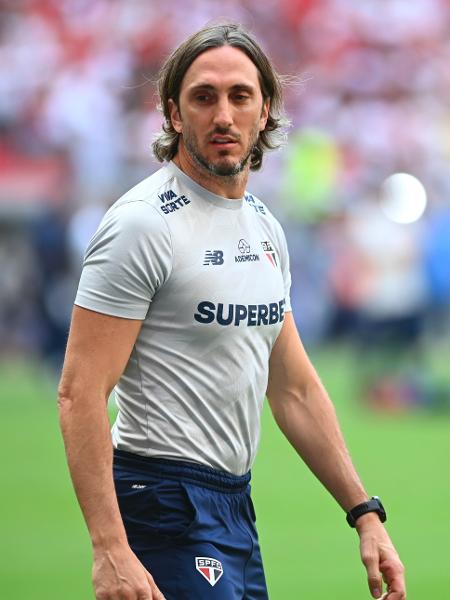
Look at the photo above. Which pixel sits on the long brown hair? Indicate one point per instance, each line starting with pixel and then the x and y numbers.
pixel 173 70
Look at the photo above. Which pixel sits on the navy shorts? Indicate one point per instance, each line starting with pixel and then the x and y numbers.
pixel 192 527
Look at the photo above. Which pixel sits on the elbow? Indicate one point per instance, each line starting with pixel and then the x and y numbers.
pixel 64 402
pixel 297 392
pixel 66 399
pixel 283 401
pixel 65 406
pixel 298 398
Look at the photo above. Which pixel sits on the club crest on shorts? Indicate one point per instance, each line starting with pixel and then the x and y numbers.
pixel 210 568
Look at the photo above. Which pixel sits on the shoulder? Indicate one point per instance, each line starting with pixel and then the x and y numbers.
pixel 137 210
pixel 150 189
pixel 264 213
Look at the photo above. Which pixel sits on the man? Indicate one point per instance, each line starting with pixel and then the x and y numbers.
pixel 183 305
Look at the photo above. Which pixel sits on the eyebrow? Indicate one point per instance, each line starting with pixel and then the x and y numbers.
pixel 237 87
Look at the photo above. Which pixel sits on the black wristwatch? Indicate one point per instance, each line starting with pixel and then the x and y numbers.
pixel 372 505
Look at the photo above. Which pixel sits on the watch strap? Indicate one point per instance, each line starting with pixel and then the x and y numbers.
pixel 371 505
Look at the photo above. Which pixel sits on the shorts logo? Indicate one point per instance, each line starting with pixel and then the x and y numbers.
pixel 213 257
pixel 270 253
pixel 210 568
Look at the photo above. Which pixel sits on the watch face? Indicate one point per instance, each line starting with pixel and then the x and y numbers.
pixel 380 505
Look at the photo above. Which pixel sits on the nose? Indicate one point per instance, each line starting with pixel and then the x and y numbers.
pixel 223 117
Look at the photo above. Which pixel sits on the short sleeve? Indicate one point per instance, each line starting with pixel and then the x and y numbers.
pixel 126 262
pixel 285 268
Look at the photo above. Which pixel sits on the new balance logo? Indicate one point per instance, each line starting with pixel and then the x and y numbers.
pixel 213 257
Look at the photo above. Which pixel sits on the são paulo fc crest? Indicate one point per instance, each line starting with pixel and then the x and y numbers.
pixel 270 253
pixel 210 568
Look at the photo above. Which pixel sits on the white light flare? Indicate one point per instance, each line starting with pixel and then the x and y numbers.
pixel 403 198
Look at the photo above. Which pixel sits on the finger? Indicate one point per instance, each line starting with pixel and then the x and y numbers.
pixel 396 591
pixel 393 575
pixel 370 561
pixel 157 594
pixel 147 595
pixel 391 570
pixel 146 592
pixel 396 596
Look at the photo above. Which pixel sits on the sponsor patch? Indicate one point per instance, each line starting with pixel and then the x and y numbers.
pixel 210 568
pixel 257 206
pixel 245 255
pixel 243 247
pixel 171 202
pixel 237 314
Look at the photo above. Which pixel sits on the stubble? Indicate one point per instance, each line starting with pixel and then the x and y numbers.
pixel 224 169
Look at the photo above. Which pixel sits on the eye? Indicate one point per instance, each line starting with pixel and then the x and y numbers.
pixel 202 98
pixel 241 97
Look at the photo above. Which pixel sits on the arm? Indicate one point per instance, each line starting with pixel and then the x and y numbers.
pixel 307 418
pixel 97 352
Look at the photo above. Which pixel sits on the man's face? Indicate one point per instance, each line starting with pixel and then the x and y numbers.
pixel 221 111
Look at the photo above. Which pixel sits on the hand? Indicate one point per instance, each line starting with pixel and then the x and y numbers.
pixel 380 559
pixel 117 574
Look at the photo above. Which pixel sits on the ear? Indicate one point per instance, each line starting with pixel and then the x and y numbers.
pixel 264 114
pixel 175 116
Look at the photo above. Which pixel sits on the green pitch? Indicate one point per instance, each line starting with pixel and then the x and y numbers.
pixel 309 551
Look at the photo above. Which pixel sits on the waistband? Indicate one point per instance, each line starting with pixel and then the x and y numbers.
pixel 182 471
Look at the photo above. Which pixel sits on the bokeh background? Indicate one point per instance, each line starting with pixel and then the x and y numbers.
pixel 369 97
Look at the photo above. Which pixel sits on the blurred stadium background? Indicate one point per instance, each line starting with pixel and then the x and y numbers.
pixel 369 98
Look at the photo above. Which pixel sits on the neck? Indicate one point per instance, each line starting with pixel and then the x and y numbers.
pixel 232 187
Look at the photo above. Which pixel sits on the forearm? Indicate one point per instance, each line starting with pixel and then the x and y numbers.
pixel 307 417
pixel 86 432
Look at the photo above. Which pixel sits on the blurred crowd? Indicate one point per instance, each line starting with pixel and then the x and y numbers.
pixel 368 92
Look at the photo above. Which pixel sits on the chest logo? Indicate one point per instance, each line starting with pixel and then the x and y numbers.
pixel 213 257
pixel 243 247
pixel 245 254
pixel 210 568
pixel 270 253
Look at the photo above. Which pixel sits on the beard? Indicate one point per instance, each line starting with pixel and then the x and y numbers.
pixel 226 168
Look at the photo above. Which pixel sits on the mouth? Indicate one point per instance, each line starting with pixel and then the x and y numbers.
pixel 223 141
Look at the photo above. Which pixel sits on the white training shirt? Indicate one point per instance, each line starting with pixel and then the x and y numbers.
pixel 209 277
